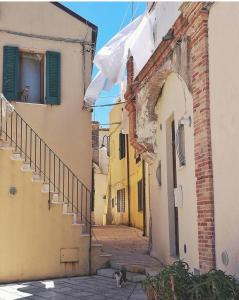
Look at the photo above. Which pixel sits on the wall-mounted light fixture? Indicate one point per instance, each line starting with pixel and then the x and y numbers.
pixel 186 120
pixel 12 191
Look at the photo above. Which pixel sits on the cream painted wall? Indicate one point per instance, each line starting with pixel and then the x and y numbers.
pixel 100 208
pixel 224 102
pixel 171 105
pixel 32 236
pixel 100 180
pixel 66 127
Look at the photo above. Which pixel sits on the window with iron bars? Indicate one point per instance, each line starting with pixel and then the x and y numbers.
pixel 180 145
pixel 121 146
pixel 140 195
pixel 121 200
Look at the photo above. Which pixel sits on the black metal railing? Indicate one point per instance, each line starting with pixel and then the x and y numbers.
pixel 57 177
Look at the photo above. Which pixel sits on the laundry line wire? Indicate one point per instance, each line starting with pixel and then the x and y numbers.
pixel 109 104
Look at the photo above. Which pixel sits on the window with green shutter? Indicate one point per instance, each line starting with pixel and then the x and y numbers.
pixel 11 72
pixel 140 195
pixel 121 146
pixel 53 78
pixel 31 77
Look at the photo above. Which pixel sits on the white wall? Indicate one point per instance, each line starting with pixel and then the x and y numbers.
pixel 224 101
pixel 166 14
pixel 171 105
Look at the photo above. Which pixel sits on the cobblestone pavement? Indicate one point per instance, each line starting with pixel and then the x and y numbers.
pixel 81 288
pixel 127 246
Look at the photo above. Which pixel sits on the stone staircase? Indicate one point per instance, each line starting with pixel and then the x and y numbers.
pixel 129 252
pixel 45 223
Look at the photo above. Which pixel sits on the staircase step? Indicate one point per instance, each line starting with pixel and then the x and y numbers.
pixel 26 168
pixel 78 224
pixel 133 277
pixel 17 156
pixel 106 255
pixel 128 267
pixel 37 178
pixel 55 199
pixel 108 272
pixel 97 245
pixel 85 235
pixel 5 145
pixel 45 188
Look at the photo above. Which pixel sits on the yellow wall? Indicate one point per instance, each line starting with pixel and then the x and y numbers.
pixel 100 181
pixel 117 178
pixel 65 127
pixel 32 236
pixel 136 217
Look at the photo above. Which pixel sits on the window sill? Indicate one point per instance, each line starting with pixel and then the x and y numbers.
pixel 180 168
pixel 29 103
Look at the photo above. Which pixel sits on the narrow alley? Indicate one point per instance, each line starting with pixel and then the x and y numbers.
pixel 129 248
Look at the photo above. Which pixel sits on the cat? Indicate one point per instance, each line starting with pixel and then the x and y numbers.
pixel 120 277
pixel 25 93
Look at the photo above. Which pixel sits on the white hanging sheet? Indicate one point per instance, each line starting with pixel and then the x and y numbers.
pixel 138 38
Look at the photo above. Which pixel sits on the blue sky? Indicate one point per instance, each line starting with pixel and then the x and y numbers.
pixel 110 17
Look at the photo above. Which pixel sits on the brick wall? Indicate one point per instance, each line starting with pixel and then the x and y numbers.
pixel 202 146
pixel 95 141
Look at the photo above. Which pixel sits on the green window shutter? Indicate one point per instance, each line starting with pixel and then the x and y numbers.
pixel 53 77
pixel 121 145
pixel 11 60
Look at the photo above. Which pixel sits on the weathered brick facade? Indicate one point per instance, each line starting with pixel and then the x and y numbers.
pixel 95 141
pixel 192 28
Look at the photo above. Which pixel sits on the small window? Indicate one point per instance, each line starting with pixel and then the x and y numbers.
pixel 121 200
pixel 31 77
pixel 113 202
pixel 121 146
pixel 180 145
pixel 140 195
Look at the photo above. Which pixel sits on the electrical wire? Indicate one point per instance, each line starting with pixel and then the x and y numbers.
pixel 109 96
pixel 108 124
pixel 104 105
pixel 124 17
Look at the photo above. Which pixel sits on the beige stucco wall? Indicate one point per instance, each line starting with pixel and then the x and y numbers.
pixel 66 127
pixel 100 208
pixel 224 95
pixel 32 236
pixel 100 180
pixel 171 105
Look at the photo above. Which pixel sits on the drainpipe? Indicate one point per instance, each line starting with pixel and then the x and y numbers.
pixel 144 199
pixel 128 179
pixel 91 207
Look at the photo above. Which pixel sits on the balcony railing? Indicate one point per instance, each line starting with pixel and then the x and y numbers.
pixel 57 177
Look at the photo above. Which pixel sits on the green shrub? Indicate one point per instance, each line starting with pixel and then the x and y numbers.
pixel 214 285
pixel 176 282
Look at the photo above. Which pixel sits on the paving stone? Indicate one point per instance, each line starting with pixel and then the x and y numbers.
pixel 87 288
pixel 129 248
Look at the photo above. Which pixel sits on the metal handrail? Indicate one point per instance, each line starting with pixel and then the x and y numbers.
pixel 45 163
